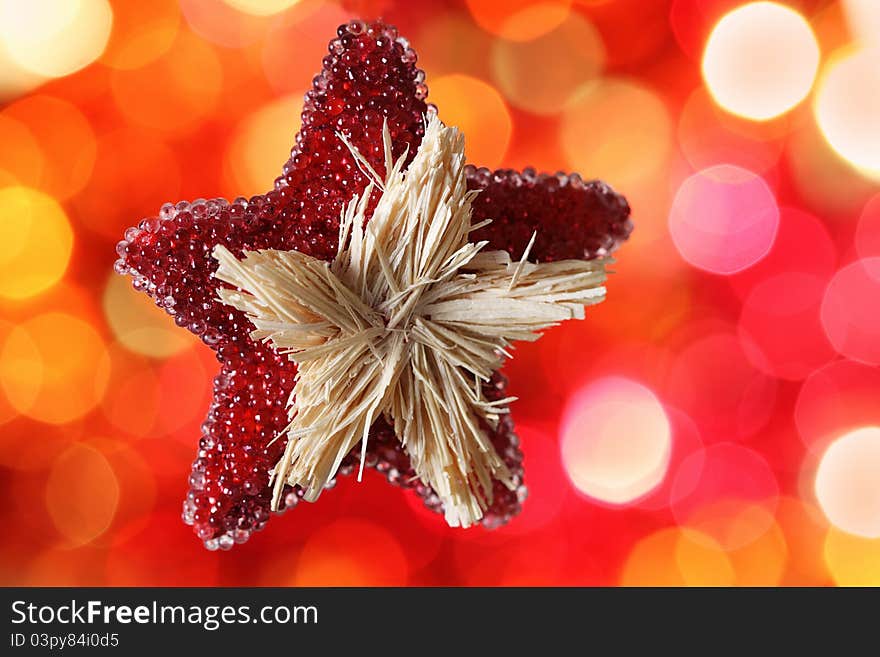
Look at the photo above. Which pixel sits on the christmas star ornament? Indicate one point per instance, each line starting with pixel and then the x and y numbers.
pixel 362 308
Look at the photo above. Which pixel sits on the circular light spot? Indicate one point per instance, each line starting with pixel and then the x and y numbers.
pixel 802 246
pixel 781 316
pixel 847 485
pixel 173 93
pixel 471 54
pixel 260 145
pixel 677 557
pixel 868 231
pixel 850 312
pixel 82 493
pixel 64 136
pixel 478 110
pixel 139 324
pixel 714 381
pixel 760 60
pixel 539 75
pixel 54 368
pixel 519 20
pixel 852 560
pixel 55 37
pixel 723 219
pixel 847 105
pixel 37 241
pixel 261 7
pixel 616 440
pixel 142 32
pixel 351 552
pixel 724 480
pixel 616 129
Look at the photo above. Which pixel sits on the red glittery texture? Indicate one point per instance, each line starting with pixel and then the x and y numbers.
pixel 368 76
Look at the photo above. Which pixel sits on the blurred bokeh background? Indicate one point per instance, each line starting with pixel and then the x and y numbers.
pixel 714 422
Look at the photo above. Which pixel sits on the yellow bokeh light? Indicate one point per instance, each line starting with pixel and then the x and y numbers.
pixel 54 38
pixel 54 367
pixel 139 324
pixel 82 494
pixel 617 130
pixel 760 60
pixel 847 485
pixel 677 557
pixel 37 240
pixel 479 111
pixel 847 105
pixel 261 7
pixel 261 145
pixel 852 560
pixel 532 74
pixel 616 441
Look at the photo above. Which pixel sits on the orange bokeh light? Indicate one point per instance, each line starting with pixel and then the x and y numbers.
pixel 260 146
pixel 478 110
pixel 142 32
pixel 65 138
pixel 174 93
pixel 677 557
pixel 534 76
pixel 81 494
pixel 519 20
pixel 617 130
pixel 54 367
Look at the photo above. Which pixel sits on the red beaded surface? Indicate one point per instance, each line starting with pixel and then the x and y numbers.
pixel 369 76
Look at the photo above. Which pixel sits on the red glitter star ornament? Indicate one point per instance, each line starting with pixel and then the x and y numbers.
pixel 369 78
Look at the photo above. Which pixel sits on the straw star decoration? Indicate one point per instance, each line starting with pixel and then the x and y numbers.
pixel 308 225
pixel 408 321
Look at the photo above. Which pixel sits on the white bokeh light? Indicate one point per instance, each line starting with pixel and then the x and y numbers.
pixel 53 38
pixel 760 60
pixel 616 440
pixel 847 106
pixel 847 482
